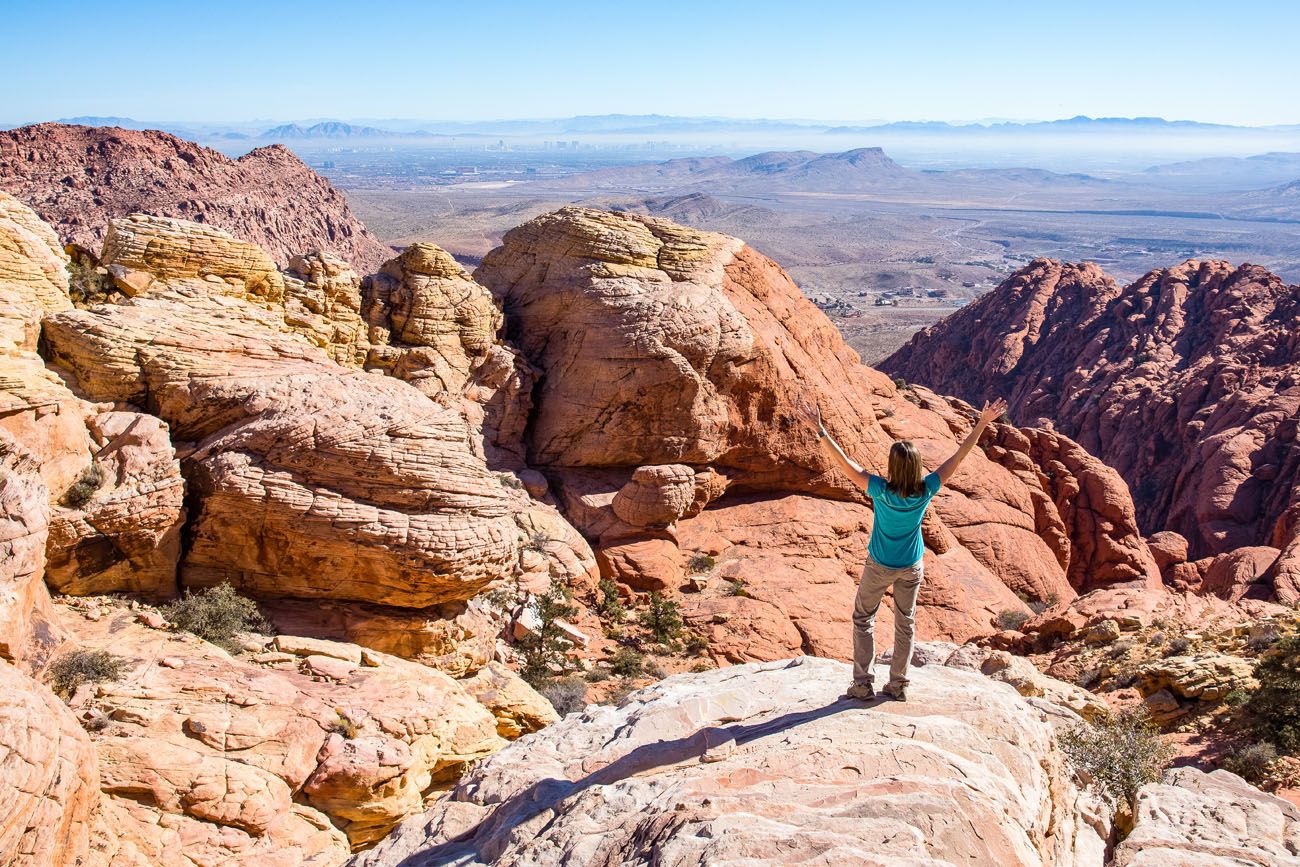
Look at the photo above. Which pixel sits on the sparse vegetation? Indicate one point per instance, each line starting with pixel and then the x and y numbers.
pixel 539 542
pixel 701 667
pixel 626 662
pixel 510 480
pixel 1119 754
pixel 1089 677
pixel 655 670
pixel 343 725
pixel 81 491
pixel 662 618
pixel 566 694
pixel 1252 762
pixel 695 644
pixel 736 587
pixel 1177 646
pixel 1276 704
pixel 71 670
pixel 1012 619
pixel 1260 643
pixel 544 652
pixel 609 606
pixel 217 615
pixel 701 563
pixel 597 674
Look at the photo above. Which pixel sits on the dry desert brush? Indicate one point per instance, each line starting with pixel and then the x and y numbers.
pixel 217 614
pixel 1118 753
pixel 71 670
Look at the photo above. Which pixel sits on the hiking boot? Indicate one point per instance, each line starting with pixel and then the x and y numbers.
pixel 896 691
pixel 861 691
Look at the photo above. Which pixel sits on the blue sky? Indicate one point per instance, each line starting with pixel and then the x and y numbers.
pixel 1231 62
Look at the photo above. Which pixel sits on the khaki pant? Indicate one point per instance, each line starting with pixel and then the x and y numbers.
pixel 876 579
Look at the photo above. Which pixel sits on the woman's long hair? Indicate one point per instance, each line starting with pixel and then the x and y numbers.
pixel 905 469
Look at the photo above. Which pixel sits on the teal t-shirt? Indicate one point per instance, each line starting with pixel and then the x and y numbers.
pixel 896 528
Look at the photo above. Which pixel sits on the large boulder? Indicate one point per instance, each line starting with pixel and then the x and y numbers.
pixel 27 627
pixel 765 764
pixel 49 777
pixel 1210 820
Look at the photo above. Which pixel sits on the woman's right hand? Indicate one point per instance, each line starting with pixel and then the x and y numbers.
pixel 993 411
pixel 809 411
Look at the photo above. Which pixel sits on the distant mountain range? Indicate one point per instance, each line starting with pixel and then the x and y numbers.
pixel 650 124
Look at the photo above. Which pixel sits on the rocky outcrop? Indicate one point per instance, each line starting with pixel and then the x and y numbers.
pixel 80 178
pixel 1215 820
pixel 49 777
pixel 1183 381
pixel 246 759
pixel 123 532
pixel 766 764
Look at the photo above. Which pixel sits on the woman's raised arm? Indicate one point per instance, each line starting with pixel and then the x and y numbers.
pixel 990 412
pixel 855 472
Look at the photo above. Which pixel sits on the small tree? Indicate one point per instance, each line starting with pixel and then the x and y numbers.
pixel 1120 753
pixel 1276 704
pixel 544 651
pixel 662 618
pixel 610 606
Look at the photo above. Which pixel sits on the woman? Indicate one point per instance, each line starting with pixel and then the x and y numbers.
pixel 895 550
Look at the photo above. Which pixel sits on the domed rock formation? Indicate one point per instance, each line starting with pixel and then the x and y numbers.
pixel 80 178
pixel 768 764
pixel 662 345
pixel 1184 381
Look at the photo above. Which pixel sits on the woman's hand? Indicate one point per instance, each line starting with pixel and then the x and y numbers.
pixel 809 411
pixel 992 411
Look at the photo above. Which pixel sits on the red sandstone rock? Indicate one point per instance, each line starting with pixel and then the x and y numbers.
pixel 1185 382
pixel 78 178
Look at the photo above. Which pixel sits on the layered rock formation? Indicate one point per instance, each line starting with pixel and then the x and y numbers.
pixel 1184 381
pixel 290 756
pixel 767 764
pixel 80 178
pixel 363 488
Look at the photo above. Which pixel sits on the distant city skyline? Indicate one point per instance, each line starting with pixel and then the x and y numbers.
pixel 240 61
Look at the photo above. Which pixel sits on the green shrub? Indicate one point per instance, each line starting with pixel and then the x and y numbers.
pixel 79 492
pixel 545 652
pixel 1252 762
pixel 701 667
pixel 217 614
pixel 1012 619
pixel 73 669
pixel 701 563
pixel 1237 697
pixel 1118 753
pixel 662 619
pixel 1276 704
pixel 566 694
pixel 610 606
pixel 626 662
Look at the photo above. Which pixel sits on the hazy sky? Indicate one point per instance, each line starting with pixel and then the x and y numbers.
pixel 1232 62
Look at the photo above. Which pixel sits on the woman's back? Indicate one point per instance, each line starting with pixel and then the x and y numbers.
pixel 896 526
